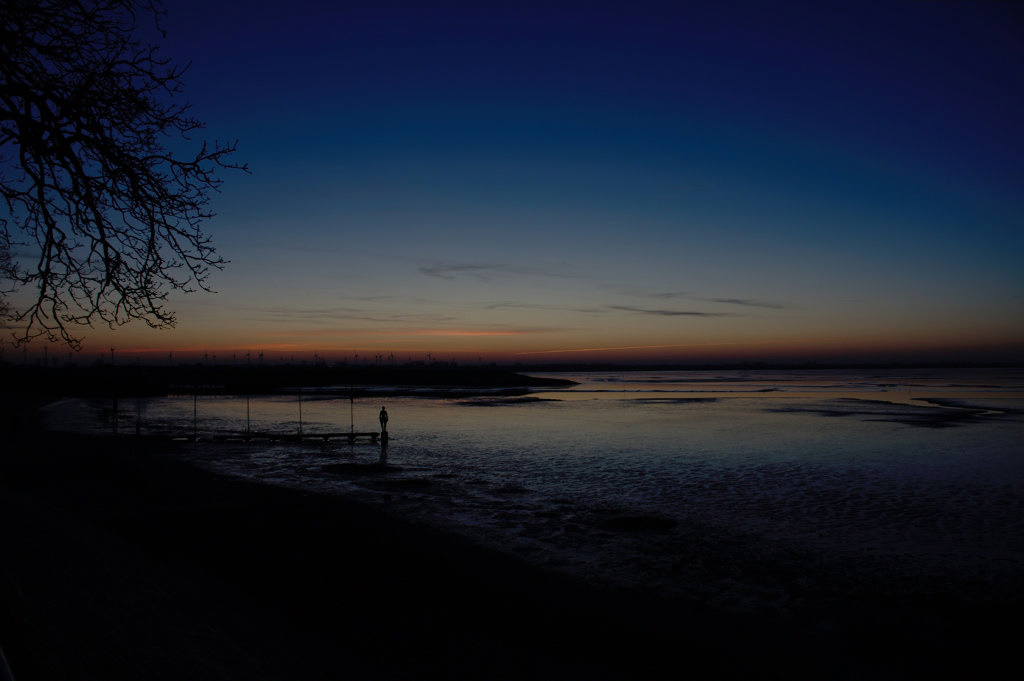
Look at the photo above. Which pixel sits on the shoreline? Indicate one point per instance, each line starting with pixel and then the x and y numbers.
pixel 124 562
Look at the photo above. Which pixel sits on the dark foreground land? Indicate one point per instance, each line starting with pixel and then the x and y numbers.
pixel 138 380
pixel 118 562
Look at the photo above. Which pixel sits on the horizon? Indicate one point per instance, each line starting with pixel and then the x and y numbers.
pixel 572 183
pixel 238 360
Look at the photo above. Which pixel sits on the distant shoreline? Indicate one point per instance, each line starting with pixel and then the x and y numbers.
pixel 766 366
pixel 105 380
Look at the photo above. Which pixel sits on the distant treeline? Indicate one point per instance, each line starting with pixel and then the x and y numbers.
pixel 150 380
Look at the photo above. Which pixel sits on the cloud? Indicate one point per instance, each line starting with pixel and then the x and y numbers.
pixel 667 313
pixel 481 272
pixel 742 302
pixel 619 348
pixel 491 331
pixel 666 295
pixel 292 315
pixel 746 302
pixel 393 335
pixel 486 272
pixel 509 305
pixel 605 309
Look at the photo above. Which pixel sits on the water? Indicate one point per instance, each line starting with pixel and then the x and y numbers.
pixel 745 490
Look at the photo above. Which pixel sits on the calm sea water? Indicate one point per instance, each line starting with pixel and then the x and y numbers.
pixel 728 487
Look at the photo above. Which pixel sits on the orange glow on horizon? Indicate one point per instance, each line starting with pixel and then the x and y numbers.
pixel 540 345
pixel 784 351
pixel 622 348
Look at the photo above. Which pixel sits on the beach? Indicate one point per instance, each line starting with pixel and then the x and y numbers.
pixel 122 563
pixel 125 564
pixel 120 560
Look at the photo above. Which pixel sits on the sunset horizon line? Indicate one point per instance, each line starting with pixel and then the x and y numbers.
pixel 701 354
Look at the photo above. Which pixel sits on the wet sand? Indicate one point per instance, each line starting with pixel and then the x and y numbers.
pixel 120 562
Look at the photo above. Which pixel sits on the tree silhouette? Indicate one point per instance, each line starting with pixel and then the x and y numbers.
pixel 103 209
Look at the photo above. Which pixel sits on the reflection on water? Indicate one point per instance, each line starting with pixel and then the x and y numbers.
pixel 680 481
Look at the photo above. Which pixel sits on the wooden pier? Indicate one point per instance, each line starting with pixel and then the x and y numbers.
pixel 351 437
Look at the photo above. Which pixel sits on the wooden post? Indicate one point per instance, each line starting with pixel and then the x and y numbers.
pixel 383 461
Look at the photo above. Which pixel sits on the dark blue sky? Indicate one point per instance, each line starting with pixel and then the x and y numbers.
pixel 751 179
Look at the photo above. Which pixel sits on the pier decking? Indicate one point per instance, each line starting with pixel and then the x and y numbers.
pixel 351 437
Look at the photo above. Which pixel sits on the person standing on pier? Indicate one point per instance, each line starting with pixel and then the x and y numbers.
pixel 383 420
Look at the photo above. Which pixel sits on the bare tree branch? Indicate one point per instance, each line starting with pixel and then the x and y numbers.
pixel 90 186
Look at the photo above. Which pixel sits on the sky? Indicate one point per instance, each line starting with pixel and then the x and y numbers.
pixel 550 182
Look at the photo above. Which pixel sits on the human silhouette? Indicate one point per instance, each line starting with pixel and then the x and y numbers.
pixel 383 421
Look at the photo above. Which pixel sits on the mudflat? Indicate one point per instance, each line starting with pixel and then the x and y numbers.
pixel 119 561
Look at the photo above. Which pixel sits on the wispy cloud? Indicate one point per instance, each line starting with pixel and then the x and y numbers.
pixel 486 271
pixel 481 272
pixel 305 314
pixel 618 348
pixel 476 332
pixel 746 302
pixel 443 332
pixel 605 309
pixel 742 302
pixel 310 315
pixel 510 305
pixel 667 313
pixel 666 295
